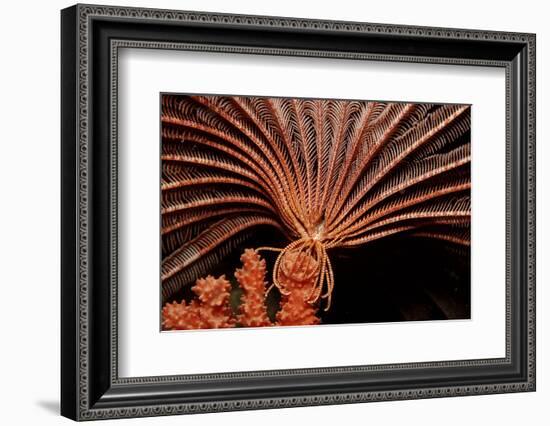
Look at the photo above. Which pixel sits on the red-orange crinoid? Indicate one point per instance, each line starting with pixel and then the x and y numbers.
pixel 325 173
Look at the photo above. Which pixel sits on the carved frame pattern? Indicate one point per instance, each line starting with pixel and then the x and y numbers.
pixel 82 407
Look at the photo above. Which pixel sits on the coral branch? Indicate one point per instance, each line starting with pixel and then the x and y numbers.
pixel 214 295
pixel 212 310
pixel 180 316
pixel 298 277
pixel 251 278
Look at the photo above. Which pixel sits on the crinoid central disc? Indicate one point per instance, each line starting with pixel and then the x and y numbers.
pixel 299 266
pixel 305 261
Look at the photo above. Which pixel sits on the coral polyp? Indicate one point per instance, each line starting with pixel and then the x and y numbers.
pixel 324 174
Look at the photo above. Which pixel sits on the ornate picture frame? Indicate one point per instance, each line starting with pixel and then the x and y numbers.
pixel 91 38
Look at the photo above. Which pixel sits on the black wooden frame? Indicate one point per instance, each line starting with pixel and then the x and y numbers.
pixel 90 386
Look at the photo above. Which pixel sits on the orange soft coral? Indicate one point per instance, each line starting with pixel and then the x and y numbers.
pixel 297 277
pixel 213 294
pixel 251 278
pixel 212 310
pixel 181 316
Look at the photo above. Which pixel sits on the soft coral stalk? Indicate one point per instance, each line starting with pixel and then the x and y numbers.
pixel 297 278
pixel 251 277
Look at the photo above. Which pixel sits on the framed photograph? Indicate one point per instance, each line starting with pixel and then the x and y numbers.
pixel 264 212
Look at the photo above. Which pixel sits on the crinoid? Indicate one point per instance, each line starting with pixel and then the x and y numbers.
pixel 327 174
